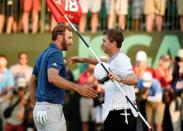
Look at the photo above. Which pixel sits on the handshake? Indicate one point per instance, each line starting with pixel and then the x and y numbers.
pixel 88 91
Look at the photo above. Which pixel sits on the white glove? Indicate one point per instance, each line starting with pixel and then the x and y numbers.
pixel 42 117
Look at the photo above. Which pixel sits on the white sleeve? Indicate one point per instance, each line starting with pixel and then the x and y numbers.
pixel 156 98
pixel 124 66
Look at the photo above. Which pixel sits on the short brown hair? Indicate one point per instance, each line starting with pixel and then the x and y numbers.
pixel 21 53
pixel 114 35
pixel 59 30
pixel 3 56
pixel 165 57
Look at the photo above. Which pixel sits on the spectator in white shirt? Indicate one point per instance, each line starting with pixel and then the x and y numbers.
pixel 21 69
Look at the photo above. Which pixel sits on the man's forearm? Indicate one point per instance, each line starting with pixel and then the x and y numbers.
pixel 130 79
pixel 65 84
pixel 32 96
pixel 32 90
pixel 89 60
pixel 60 82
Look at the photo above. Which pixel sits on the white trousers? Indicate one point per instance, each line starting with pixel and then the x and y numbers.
pixel 56 120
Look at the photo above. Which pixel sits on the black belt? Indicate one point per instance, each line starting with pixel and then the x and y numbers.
pixel 121 111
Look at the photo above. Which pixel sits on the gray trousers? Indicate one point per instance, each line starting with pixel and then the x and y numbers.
pixel 56 120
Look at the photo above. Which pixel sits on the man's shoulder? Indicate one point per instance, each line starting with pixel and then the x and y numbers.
pixel 123 55
pixel 54 52
pixel 50 52
pixel 29 67
pixel 13 67
pixel 8 73
pixel 156 83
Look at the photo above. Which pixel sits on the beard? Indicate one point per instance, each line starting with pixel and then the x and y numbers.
pixel 64 45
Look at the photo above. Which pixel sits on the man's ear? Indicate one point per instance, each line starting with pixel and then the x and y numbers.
pixel 60 37
pixel 115 43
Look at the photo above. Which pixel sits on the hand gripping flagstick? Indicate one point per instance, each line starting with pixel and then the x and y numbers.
pixel 92 51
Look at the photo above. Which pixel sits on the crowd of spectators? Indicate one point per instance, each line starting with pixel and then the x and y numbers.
pixel 14 14
pixel 135 15
pixel 15 109
pixel 159 95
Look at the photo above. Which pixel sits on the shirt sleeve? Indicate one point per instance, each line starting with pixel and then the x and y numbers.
pixel 157 86
pixel 158 94
pixel 10 80
pixel 156 98
pixel 35 68
pixel 140 85
pixel 124 66
pixel 35 71
pixel 55 61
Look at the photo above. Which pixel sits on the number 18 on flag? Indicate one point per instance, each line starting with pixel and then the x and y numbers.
pixel 70 8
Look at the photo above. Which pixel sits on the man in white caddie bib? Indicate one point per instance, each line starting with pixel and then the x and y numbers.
pixel 117 112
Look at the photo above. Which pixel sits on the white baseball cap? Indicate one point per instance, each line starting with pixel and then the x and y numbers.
pixel 100 72
pixel 147 79
pixel 141 56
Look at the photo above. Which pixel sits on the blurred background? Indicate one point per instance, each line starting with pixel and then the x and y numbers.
pixel 153 31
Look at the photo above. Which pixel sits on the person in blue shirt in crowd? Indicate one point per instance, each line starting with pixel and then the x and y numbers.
pixel 6 77
pixel 48 83
pixel 152 94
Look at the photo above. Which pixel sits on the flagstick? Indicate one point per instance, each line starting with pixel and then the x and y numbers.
pixel 115 82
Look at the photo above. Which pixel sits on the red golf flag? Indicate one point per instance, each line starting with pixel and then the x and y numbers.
pixel 70 8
